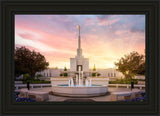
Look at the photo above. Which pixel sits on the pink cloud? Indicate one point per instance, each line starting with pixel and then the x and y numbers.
pixel 26 35
pixel 59 43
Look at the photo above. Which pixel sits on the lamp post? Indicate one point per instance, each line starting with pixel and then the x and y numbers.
pixel 28 85
pixel 132 83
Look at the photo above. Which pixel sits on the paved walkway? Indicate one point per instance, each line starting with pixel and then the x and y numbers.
pixel 99 98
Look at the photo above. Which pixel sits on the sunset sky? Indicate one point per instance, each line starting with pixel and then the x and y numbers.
pixel 104 38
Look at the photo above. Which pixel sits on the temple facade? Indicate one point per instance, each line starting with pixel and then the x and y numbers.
pixel 79 61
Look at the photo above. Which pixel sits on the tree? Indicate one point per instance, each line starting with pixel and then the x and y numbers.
pixel 65 69
pixel 94 68
pixel 141 69
pixel 131 64
pixel 27 61
pixel 65 74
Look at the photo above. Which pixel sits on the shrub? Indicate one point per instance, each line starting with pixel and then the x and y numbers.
pixel 65 74
pixel 35 81
pixel 26 76
pixel 61 74
pixel 124 81
pixel 93 74
pixel 98 74
pixel 39 75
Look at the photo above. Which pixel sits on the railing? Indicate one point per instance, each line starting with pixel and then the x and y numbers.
pixel 126 85
pixel 18 82
pixel 17 86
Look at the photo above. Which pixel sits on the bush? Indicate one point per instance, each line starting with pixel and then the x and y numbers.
pixel 98 74
pixel 124 81
pixel 39 75
pixel 93 74
pixel 65 74
pixel 26 76
pixel 35 81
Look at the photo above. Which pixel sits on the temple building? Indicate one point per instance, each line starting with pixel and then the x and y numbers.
pixel 79 61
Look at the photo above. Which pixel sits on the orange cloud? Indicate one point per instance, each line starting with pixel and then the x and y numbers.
pixel 57 40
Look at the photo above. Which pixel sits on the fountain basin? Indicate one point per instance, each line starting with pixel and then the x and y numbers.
pixel 80 91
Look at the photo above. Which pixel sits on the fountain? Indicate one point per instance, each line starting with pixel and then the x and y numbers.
pixel 86 83
pixel 70 82
pixel 78 89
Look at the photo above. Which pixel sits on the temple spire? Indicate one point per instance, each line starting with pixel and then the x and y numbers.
pixel 79 50
pixel 79 39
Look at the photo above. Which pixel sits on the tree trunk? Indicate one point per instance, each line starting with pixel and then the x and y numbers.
pixel 32 74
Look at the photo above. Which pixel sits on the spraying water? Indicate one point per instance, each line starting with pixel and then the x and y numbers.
pixel 86 83
pixel 79 80
pixel 72 83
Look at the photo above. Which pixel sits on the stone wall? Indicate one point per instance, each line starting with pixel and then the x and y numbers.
pixel 140 77
pixel 110 72
pixel 59 80
pixel 99 80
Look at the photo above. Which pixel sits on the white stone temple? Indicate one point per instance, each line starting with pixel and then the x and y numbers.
pixel 83 63
pixel 79 60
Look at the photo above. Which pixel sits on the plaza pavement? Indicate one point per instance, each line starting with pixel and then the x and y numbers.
pixel 99 98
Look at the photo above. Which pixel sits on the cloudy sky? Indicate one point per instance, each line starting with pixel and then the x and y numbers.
pixel 104 38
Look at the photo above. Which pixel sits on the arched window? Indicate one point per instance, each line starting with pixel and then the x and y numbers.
pixel 111 75
pixel 108 74
pixel 114 74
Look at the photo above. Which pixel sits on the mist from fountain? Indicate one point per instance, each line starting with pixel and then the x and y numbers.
pixel 69 82
pixel 90 83
pixel 79 80
pixel 86 82
pixel 72 83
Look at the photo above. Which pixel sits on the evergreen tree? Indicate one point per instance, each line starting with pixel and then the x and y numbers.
pixel 94 68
